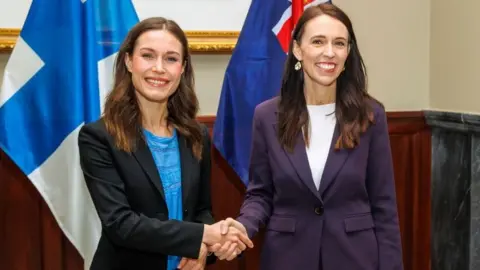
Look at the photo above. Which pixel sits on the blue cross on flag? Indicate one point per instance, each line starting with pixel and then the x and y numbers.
pixel 55 81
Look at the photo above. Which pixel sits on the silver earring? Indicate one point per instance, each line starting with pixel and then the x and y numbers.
pixel 298 65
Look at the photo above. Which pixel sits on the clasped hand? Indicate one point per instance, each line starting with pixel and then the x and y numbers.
pixel 226 238
pixel 233 240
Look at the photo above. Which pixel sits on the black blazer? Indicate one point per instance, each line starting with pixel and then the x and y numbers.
pixel 128 195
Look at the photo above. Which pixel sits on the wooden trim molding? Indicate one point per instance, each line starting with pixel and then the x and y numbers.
pixel 208 120
pixel 200 42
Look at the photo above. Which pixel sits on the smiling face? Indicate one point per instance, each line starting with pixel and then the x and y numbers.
pixel 156 65
pixel 322 49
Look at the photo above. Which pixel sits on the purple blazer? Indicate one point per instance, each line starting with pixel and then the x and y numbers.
pixel 351 222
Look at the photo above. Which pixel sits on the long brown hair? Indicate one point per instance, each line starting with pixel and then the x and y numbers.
pixel 122 115
pixel 353 111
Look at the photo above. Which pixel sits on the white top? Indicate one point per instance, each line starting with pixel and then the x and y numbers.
pixel 322 124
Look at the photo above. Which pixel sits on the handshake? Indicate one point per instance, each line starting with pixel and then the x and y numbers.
pixel 226 239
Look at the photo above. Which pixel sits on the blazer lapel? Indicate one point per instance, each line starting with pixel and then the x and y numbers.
pixel 186 162
pixel 299 160
pixel 145 159
pixel 335 161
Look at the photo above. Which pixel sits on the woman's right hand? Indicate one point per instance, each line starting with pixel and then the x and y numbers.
pixel 226 230
pixel 227 238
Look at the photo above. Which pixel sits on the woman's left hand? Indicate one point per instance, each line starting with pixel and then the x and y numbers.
pixel 195 264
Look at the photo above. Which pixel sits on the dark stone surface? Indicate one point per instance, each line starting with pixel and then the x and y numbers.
pixel 450 200
pixel 455 190
pixel 475 204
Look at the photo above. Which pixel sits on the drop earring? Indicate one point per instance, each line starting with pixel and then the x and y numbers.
pixel 298 65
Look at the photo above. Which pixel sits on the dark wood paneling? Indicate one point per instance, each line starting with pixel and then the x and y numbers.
pixel 410 141
pixel 52 237
pixel 31 239
pixel 20 243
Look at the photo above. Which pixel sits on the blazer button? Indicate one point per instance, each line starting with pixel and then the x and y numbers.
pixel 319 210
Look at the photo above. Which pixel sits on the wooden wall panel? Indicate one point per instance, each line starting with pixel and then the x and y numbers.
pixel 410 141
pixel 20 229
pixel 30 239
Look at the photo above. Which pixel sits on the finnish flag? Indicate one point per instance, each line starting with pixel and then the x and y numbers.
pixel 55 81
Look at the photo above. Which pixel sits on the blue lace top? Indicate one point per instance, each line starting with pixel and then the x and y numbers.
pixel 167 158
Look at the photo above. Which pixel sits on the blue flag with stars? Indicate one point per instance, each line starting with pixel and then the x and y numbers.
pixel 55 81
pixel 253 75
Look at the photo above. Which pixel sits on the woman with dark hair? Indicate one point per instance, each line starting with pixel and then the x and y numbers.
pixel 147 163
pixel 321 176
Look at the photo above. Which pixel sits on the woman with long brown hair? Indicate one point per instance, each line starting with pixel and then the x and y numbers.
pixel 147 160
pixel 321 176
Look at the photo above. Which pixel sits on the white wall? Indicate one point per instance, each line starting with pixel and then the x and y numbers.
pixel 455 56
pixel 415 57
pixel 190 14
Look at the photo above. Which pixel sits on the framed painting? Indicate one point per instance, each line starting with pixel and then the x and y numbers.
pixel 8 37
pixel 200 42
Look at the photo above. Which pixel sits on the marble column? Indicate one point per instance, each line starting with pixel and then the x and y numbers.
pixel 455 190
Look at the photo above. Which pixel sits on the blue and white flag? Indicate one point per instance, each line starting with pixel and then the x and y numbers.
pixel 55 81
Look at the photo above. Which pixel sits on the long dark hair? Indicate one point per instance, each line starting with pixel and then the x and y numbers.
pixel 353 110
pixel 122 115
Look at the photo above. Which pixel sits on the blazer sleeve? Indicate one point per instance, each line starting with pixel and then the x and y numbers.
pixel 381 191
pixel 119 222
pixel 257 206
pixel 204 205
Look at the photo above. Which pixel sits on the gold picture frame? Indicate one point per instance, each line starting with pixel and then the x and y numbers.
pixel 200 42
pixel 8 38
